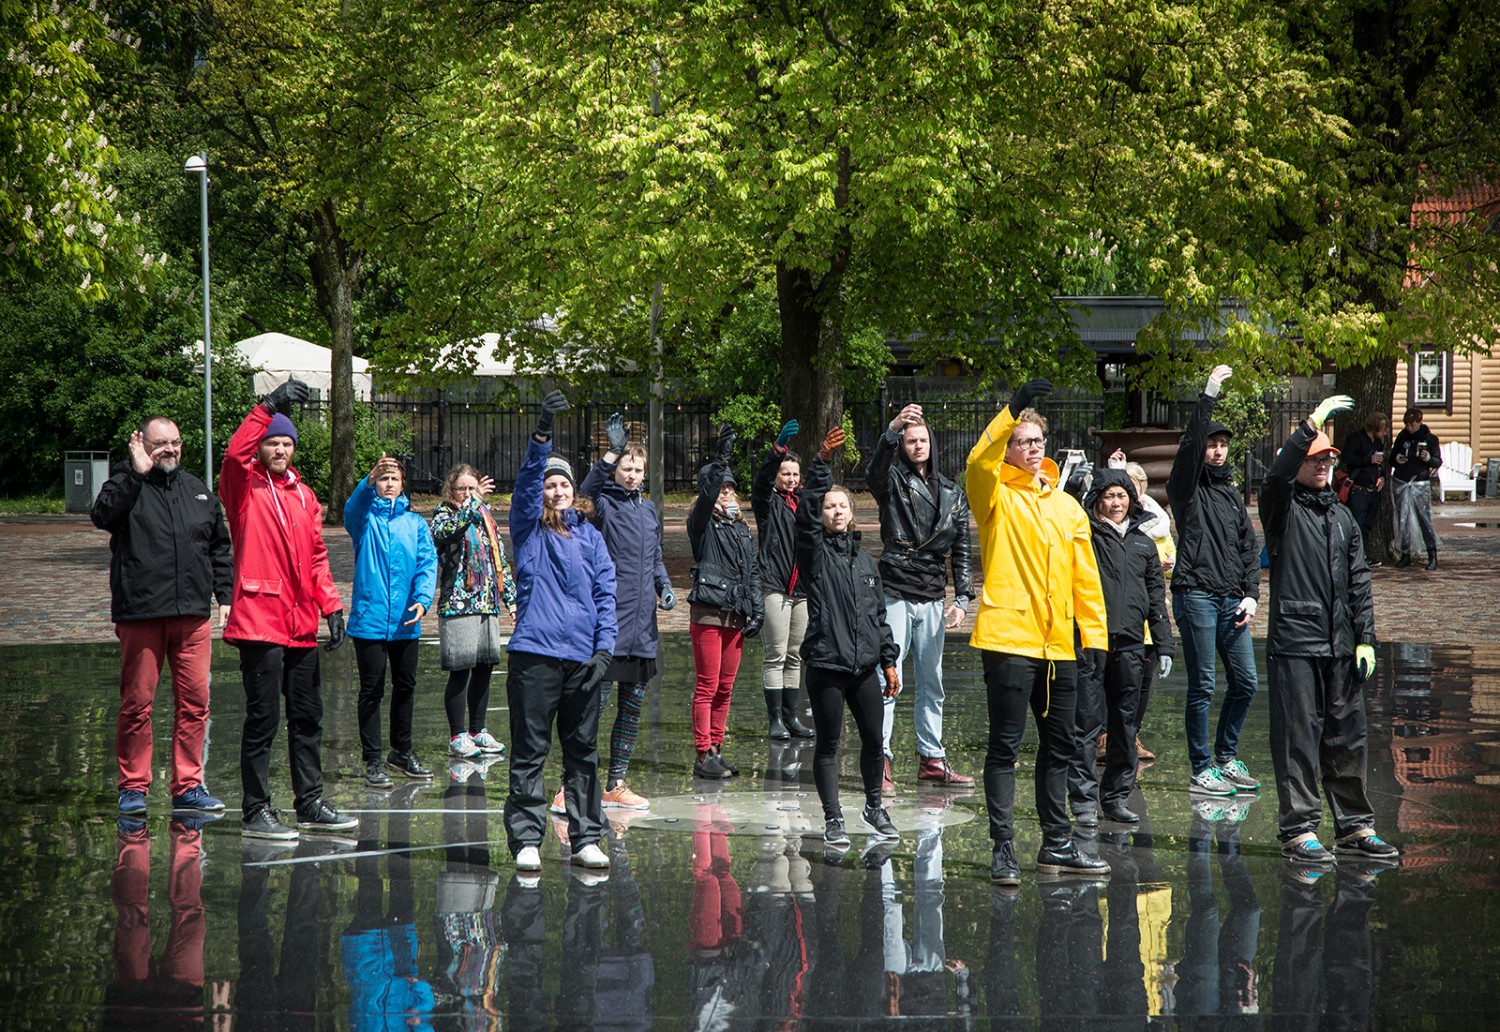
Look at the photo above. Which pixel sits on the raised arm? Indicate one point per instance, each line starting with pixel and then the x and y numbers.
pixel 983 471
pixel 357 510
pixel 601 473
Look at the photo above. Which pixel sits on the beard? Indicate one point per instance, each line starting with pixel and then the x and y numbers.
pixel 168 465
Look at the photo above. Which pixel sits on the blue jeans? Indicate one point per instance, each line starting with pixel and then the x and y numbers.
pixel 918 630
pixel 1205 624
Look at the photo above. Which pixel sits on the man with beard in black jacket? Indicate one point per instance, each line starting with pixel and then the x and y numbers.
pixel 170 559
pixel 924 527
pixel 1320 648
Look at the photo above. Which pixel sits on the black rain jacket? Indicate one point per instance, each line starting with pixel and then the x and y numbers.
pixel 1321 601
pixel 169 548
pixel 1217 551
pixel 923 523
pixel 1135 595
pixel 726 569
pixel 846 628
pixel 776 526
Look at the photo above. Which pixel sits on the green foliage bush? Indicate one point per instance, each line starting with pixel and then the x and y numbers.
pixel 372 435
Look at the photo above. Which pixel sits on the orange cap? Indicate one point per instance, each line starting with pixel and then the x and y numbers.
pixel 1321 445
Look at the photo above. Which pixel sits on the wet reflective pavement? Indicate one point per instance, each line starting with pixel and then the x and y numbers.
pixel 718 912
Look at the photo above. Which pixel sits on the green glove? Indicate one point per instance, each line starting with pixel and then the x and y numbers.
pixel 1328 406
pixel 1364 661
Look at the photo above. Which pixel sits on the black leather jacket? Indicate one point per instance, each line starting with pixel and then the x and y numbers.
pixel 1321 601
pixel 923 521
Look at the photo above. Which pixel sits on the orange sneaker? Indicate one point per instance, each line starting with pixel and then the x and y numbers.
pixel 622 798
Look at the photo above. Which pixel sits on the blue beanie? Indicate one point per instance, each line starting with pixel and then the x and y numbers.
pixel 281 426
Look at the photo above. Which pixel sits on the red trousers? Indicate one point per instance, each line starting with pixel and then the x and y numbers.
pixel 716 658
pixel 186 642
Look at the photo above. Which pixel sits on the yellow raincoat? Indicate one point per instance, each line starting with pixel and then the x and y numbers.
pixel 1040 574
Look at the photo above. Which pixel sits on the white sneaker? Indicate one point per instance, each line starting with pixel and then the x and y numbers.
pixel 530 859
pixel 486 742
pixel 591 856
pixel 462 746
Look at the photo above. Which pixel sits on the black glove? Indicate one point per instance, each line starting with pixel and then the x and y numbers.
pixel 335 630
pixel 293 392
pixel 752 627
pixel 1027 393
pixel 552 404
pixel 726 442
pixel 595 667
pixel 618 436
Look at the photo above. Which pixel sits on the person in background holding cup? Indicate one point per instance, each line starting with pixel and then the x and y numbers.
pixel 1415 457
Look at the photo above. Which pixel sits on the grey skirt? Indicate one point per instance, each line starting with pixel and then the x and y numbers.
pixel 467 641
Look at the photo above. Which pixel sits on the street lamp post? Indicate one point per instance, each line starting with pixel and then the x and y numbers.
pixel 198 164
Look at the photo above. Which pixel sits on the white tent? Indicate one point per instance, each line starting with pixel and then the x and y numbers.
pixel 278 357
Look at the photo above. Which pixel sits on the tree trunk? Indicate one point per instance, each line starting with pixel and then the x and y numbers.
pixel 812 386
pixel 335 273
pixel 1372 387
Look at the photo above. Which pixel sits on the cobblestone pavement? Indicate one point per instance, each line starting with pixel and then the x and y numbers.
pixel 54 578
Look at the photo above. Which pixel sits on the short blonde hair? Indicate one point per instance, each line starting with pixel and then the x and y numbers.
pixel 1032 416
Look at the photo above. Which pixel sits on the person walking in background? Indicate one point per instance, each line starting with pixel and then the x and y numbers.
pixel 475 583
pixel 1215 592
pixel 1109 686
pixel 924 524
pixel 1415 457
pixel 773 499
pixel 282 585
pixel 1160 531
pixel 726 604
pixel 1041 599
pixel 847 642
pixel 560 651
pixel 169 559
pixel 1364 459
pixel 1320 649
pixel 395 572
pixel 631 527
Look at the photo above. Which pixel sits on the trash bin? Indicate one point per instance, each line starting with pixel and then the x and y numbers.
pixel 84 473
pixel 1490 482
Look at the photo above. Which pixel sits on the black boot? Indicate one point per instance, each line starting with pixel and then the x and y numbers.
pixel 791 705
pixel 777 730
pixel 1432 558
pixel 1404 561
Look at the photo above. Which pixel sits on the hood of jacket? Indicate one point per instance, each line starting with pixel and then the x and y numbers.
pixel 932 456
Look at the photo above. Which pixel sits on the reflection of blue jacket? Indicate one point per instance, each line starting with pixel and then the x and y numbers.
pixel 395 565
pixel 385 991
pixel 632 533
pixel 565 603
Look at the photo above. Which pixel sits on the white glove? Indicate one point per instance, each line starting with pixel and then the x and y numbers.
pixel 1328 406
pixel 1216 380
pixel 1247 606
pixel 1163 667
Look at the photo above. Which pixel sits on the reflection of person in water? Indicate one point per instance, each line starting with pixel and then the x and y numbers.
pixel 627 972
pixel 919 970
pixel 1069 952
pixel 469 955
pixel 1323 973
pixel 1002 985
pixel 380 943
pixel 1217 972
pixel 719 966
pixel 164 992
pixel 776 913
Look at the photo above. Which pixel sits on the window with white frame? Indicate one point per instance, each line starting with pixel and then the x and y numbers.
pixel 1431 378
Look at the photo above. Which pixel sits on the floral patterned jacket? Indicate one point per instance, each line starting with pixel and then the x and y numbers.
pixel 474 575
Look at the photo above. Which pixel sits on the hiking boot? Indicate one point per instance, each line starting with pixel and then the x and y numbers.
pixel 879 822
pixel 1369 845
pixel 935 768
pixel 834 833
pixel 321 817
pixel 462 745
pixel 1067 859
pixel 1237 774
pixel 708 765
pixel 132 802
pixel 1003 867
pixel 376 777
pixel 197 798
pixel 622 798
pixel 528 858
pixel 406 763
pixel 591 856
pixel 265 823
pixel 1306 850
pixel 486 742
pixel 1210 781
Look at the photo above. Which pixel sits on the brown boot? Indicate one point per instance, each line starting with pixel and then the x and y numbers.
pixel 1143 754
pixel 935 768
pixel 887 781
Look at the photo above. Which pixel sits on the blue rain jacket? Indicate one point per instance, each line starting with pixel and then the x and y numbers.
pixel 395 565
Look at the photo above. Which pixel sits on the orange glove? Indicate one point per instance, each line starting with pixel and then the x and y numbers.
pixel 832 442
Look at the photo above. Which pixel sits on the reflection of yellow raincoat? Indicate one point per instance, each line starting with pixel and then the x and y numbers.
pixel 1040 574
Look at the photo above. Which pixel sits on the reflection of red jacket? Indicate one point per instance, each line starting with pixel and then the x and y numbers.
pixel 282 584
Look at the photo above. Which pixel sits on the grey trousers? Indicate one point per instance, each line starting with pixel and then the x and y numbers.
pixel 781 638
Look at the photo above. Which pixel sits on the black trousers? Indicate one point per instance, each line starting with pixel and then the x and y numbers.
pixel 1109 690
pixel 539 689
pixel 1050 689
pixel 271 673
pixel 371 655
pixel 830 691
pixel 1318 732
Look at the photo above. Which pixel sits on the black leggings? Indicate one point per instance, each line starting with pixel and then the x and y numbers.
pixel 371 657
pixel 471 687
pixel 828 691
